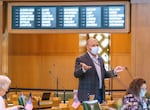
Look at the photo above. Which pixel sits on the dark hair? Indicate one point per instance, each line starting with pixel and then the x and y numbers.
pixel 135 86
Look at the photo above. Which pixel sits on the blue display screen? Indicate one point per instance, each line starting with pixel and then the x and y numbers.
pixel 69 17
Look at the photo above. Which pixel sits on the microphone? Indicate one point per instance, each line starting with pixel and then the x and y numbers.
pixel 121 82
pixel 15 87
pixel 58 83
pixel 126 68
pixel 56 79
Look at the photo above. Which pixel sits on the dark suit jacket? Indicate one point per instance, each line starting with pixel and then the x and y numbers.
pixel 89 81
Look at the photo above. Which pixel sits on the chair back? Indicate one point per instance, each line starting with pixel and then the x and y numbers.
pixel 91 105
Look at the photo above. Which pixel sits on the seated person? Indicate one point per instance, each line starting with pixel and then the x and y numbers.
pixel 135 96
pixel 4 85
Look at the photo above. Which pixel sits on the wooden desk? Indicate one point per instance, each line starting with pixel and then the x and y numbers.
pixel 42 104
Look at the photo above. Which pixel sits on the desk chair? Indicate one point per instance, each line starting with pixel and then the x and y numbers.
pixel 91 105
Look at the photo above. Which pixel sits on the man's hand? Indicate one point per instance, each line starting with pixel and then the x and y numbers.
pixel 85 67
pixel 119 69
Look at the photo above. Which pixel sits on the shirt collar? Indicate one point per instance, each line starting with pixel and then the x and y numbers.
pixel 91 56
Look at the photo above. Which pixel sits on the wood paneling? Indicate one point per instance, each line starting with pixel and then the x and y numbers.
pixel 41 72
pixel 120 43
pixel 124 78
pixel 140 41
pixel 120 52
pixel 43 44
pixel 36 60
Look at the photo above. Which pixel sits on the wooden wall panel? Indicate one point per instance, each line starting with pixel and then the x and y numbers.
pixel 32 56
pixel 63 67
pixel 43 44
pixel 140 40
pixel 121 43
pixel 120 52
pixel 41 72
pixel 24 70
pixel 124 78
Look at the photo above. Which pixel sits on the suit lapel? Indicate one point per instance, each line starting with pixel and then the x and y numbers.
pixel 89 60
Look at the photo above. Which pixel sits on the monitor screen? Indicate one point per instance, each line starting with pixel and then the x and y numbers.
pixel 46 96
pixel 98 16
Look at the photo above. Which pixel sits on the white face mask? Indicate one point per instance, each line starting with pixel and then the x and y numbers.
pixel 142 93
pixel 94 50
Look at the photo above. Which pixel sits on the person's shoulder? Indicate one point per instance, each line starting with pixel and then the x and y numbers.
pixel 128 96
pixel 83 55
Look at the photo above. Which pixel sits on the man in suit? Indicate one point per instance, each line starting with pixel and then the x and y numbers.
pixel 90 70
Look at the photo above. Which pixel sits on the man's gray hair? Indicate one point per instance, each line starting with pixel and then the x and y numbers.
pixel 4 82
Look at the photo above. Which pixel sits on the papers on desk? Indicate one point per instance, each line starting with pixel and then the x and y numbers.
pixel 46 102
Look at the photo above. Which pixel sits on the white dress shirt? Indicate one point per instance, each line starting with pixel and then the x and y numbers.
pixel 98 68
pixel 2 105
